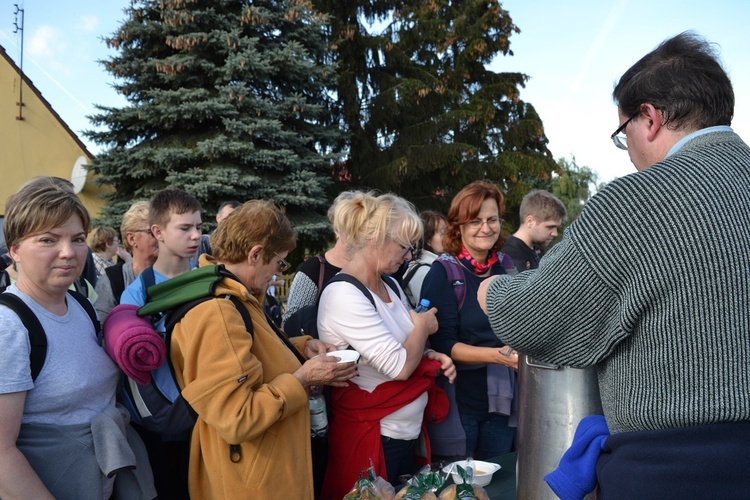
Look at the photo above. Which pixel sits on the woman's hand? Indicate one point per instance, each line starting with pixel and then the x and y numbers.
pixel 426 321
pixel 446 364
pixel 506 356
pixel 325 370
pixel 123 255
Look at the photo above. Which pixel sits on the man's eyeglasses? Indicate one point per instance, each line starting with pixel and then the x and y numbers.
pixel 283 264
pixel 491 222
pixel 621 141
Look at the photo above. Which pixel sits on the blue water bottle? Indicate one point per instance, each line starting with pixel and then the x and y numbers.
pixel 423 306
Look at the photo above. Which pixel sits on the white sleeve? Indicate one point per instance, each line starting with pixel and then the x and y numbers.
pixel 347 318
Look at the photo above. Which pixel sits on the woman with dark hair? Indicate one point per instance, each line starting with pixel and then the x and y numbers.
pixel 428 248
pixel 485 385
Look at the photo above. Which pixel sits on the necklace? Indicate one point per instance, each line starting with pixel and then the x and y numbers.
pixel 471 261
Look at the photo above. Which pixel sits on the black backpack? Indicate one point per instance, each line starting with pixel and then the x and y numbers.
pixel 304 321
pixel 116 280
pixel 37 336
pixel 311 311
pixel 159 406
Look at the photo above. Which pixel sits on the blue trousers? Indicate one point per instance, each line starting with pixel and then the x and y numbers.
pixel 488 435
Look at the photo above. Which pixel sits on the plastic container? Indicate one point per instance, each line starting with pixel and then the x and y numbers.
pixel 318 412
pixel 424 305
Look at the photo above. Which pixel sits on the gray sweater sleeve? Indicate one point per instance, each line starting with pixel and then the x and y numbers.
pixel 561 313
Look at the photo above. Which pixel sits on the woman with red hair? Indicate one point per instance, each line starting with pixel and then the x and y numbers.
pixel 485 385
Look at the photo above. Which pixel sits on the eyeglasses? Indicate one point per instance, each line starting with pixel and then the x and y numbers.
pixel 621 141
pixel 283 264
pixel 409 251
pixel 148 231
pixel 491 222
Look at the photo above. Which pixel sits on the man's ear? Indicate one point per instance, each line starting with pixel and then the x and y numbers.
pixel 529 221
pixel 157 232
pixel 655 120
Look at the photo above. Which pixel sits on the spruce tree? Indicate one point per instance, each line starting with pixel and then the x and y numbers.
pixel 424 112
pixel 226 99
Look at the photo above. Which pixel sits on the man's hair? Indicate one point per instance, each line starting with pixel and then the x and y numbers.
pixel 40 205
pixel 134 219
pixel 431 222
pixel 231 203
pixel 168 202
pixel 365 217
pixel 100 237
pixel 256 222
pixel 543 206
pixel 465 206
pixel 683 79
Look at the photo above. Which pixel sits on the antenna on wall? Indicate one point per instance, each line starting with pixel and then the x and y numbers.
pixel 16 29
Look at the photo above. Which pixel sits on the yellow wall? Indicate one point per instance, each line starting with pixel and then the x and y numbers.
pixel 40 144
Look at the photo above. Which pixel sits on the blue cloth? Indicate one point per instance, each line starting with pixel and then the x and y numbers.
pixel 575 476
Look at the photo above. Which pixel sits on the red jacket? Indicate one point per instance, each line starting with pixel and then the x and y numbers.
pixel 354 427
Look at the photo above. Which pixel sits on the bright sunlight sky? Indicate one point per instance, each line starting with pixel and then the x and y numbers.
pixel 574 53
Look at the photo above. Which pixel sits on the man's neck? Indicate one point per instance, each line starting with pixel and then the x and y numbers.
pixel 521 235
pixel 171 265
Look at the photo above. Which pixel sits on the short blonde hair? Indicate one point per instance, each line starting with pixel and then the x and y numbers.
pixel 136 216
pixel 256 222
pixel 38 206
pixel 366 217
pixel 100 237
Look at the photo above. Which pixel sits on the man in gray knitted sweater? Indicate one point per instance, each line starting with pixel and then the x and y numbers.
pixel 652 284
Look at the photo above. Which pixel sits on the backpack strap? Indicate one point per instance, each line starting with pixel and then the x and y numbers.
pixel 175 315
pixel 37 336
pixel 321 276
pixel 116 280
pixel 391 282
pixel 456 277
pixel 149 279
pixel 409 275
pixel 89 308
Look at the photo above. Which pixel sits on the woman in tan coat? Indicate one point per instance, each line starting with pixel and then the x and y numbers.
pixel 252 437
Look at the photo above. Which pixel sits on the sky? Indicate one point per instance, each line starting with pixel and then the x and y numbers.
pixel 573 52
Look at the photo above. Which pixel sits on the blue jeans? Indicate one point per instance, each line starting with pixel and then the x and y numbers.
pixel 488 435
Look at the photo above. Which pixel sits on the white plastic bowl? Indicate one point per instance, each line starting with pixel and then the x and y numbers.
pixel 483 472
pixel 345 355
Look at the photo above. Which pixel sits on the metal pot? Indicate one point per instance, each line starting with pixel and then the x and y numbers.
pixel 552 400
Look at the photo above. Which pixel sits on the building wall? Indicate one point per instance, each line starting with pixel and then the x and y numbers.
pixel 40 143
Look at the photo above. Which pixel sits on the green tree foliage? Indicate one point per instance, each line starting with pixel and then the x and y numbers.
pixel 424 114
pixel 572 186
pixel 226 99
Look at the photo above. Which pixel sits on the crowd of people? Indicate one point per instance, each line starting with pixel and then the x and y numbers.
pixel 656 304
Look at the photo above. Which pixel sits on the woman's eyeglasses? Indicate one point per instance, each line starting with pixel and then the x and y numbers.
pixel 283 264
pixel 491 222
